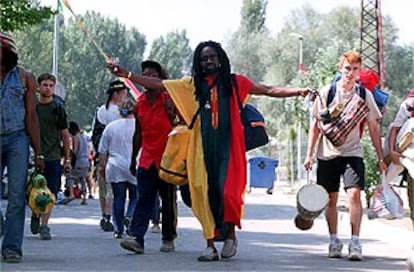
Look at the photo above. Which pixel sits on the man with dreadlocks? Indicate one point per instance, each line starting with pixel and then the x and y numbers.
pixel 216 163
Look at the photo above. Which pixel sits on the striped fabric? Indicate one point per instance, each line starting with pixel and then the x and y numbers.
pixel 338 130
pixel 7 41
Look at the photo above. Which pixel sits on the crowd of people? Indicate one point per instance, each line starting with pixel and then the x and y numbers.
pixel 129 138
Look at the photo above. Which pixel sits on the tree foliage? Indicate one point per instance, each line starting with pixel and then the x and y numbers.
pixel 82 69
pixel 253 16
pixel 17 15
pixel 173 51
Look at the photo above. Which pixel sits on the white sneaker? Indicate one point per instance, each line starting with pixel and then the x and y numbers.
pixel 355 252
pixel 335 249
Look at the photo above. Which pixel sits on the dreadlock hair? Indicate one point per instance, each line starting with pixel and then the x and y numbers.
pixel 9 60
pixel 224 69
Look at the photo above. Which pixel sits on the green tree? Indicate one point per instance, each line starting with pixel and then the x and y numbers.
pixel 17 15
pixel 82 69
pixel 253 16
pixel 245 48
pixel 173 52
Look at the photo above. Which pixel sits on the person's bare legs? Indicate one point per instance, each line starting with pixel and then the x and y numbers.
pixel 331 213
pixel 355 209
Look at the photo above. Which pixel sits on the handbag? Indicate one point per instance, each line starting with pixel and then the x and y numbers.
pixel 254 126
pixel 385 203
pixel 173 166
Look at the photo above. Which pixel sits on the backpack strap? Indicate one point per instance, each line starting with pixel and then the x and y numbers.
pixel 332 92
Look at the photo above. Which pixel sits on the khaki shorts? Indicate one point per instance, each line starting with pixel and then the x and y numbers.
pixel 78 176
pixel 105 189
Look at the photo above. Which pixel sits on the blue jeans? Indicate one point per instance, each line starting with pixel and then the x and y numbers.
pixel 148 185
pixel 119 189
pixel 14 156
pixel 53 174
pixel 156 212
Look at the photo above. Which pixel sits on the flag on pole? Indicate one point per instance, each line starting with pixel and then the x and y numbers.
pixel 302 69
pixel 134 90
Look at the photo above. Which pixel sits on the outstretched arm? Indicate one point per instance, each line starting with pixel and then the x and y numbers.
pixel 276 91
pixel 148 82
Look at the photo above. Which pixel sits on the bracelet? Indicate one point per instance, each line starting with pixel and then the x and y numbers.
pixel 40 157
pixel 129 75
pixel 382 160
pixel 68 161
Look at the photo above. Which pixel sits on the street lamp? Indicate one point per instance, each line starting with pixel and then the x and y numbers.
pixel 299 136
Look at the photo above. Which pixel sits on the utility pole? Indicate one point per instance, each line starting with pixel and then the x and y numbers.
pixel 299 128
pixel 371 41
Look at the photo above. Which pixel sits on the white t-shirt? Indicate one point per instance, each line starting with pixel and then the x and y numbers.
pixel 352 146
pixel 105 116
pixel 117 142
pixel 401 118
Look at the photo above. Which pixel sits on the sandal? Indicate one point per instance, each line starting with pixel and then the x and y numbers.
pixel 229 248
pixel 208 255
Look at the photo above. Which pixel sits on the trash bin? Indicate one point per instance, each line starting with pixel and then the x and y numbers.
pixel 262 173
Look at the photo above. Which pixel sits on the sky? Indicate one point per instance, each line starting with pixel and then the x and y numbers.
pixel 216 19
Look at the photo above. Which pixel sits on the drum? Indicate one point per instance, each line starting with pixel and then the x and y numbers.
pixel 311 200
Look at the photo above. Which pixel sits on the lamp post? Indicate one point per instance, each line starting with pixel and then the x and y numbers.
pixel 299 134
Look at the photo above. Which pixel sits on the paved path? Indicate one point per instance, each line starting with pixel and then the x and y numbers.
pixel 268 241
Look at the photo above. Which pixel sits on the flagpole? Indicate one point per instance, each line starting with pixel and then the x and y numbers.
pixel 55 47
pixel 56 43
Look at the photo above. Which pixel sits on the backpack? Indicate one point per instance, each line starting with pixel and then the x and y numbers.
pixel 332 92
pixel 253 122
pixel 97 131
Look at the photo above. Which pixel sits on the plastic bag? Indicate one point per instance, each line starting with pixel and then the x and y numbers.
pixel 385 203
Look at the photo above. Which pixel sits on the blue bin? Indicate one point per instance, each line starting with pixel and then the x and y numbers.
pixel 262 172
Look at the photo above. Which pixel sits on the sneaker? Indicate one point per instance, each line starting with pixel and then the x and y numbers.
pixel 34 224
pixel 12 257
pixel 335 249
pixel 167 246
pixel 155 228
pixel 229 248
pixel 132 245
pixel 108 226
pixel 355 251
pixel 44 233
pixel 208 255
pixel 117 235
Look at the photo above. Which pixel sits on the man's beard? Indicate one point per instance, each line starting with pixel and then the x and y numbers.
pixel 208 71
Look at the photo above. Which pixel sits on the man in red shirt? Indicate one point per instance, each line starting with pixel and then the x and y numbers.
pixel 155 115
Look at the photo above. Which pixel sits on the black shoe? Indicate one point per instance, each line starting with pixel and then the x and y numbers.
pixel 35 224
pixel 102 223
pixel 108 226
pixel 12 257
pixel 132 245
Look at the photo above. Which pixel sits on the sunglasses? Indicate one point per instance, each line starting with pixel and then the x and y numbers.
pixel 47 85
